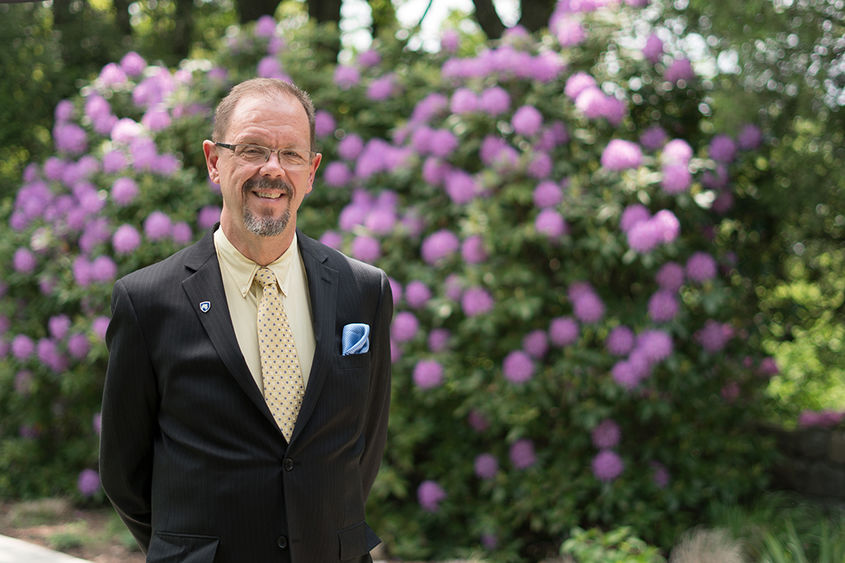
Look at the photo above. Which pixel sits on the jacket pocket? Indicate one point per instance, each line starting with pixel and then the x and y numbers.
pixel 356 541
pixel 167 547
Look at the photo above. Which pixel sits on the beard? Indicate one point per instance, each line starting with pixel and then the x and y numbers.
pixel 267 226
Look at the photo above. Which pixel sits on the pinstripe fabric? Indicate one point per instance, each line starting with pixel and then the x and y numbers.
pixel 283 389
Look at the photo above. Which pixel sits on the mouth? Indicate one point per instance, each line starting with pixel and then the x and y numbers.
pixel 267 189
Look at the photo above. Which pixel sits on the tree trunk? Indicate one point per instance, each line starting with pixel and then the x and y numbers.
pixel 323 12
pixel 535 14
pixel 121 17
pixel 183 29
pixel 251 10
pixel 488 19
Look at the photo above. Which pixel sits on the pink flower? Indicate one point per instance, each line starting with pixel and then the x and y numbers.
pixel 133 64
pixel 337 174
pixel 667 225
pixel 438 340
pixel 569 31
pixel 99 325
pixel 714 336
pixel 547 194
pixel 345 77
pixel 382 88
pixel 660 475
pixel 265 26
pixel 577 83
pixel 679 69
pixel 22 347
pixel 124 190
pixel 324 124
pixel 473 251
pixel 588 307
pixel 156 118
pixel 527 121
pixel 522 454
pixel 701 267
pixel 536 343
pixel 24 261
pixel 477 421
pixel 58 326
pixel 430 494
pixel 464 100
pixel 428 374
pixel 750 137
pixel 443 143
pixel 620 340
pixel 633 214
pixel 331 239
pixel 366 248
pixel 439 246
pixel 476 301
pixel 157 226
pixel 369 58
pixel 70 138
pixel 350 147
pixel 722 149
pixel 126 239
pixel 405 326
pixel 486 466
pixel 607 466
pixel 78 346
pixel 670 276
pixel 606 434
pixel 88 482
pixel 662 306
pixel 449 40
pixel 551 223
pixel 208 216
pixel 540 166
pixel 518 367
pixel 655 345
pixel 653 138
pixel 676 151
pixel 460 186
pixel 181 233
pixel 676 178
pixel 103 269
pixel 563 331
pixel 621 155
pixel 417 294
pixel 494 101
pixel 653 48
pixel 769 367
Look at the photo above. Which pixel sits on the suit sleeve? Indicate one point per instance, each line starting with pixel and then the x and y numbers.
pixel 378 402
pixel 129 426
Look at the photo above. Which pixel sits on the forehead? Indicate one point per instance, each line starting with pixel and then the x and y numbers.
pixel 268 115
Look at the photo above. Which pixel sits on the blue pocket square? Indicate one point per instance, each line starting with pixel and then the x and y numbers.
pixel 356 338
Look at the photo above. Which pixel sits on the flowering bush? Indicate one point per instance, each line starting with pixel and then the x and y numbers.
pixel 572 342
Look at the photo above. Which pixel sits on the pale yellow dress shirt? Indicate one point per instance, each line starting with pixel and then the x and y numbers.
pixel 242 296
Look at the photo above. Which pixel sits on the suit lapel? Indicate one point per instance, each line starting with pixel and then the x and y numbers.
pixel 322 288
pixel 204 284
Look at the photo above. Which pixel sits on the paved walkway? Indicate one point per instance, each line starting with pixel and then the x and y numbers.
pixel 16 551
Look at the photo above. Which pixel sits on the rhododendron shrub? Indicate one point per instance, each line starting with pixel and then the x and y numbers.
pixel 573 340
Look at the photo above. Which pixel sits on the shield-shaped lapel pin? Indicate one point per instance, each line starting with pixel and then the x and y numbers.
pixel 205 306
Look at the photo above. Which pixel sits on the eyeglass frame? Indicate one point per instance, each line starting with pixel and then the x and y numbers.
pixel 268 151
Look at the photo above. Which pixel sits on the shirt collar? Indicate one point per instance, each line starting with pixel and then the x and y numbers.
pixel 243 269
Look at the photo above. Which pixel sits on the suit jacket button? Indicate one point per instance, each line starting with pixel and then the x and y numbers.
pixel 282 542
pixel 288 464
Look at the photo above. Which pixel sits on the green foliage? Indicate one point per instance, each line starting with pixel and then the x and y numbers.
pixel 685 425
pixel 615 546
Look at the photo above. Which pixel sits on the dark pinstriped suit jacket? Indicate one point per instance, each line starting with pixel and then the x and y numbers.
pixel 190 455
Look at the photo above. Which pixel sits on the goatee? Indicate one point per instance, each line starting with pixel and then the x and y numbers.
pixel 266 226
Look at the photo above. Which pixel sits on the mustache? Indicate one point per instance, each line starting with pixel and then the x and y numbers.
pixel 268 184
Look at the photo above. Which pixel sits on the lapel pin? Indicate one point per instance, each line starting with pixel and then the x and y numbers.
pixel 205 306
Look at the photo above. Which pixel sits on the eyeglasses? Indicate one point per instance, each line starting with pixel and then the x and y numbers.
pixel 290 159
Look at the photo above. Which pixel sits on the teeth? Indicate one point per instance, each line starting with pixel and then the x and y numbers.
pixel 268 195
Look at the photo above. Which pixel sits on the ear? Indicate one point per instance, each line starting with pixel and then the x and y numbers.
pixel 312 173
pixel 211 158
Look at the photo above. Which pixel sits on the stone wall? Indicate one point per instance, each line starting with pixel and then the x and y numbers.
pixel 812 461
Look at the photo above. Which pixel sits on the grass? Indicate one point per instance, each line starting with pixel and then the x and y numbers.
pixel 786 528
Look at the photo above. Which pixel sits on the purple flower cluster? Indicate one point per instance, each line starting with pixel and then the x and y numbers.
pixel 621 155
pixel 645 232
pixel 586 303
pixel 522 454
pixel 650 347
pixel 820 419
pixel 607 466
pixel 428 374
pixel 430 494
pixel 714 336
pixel 505 62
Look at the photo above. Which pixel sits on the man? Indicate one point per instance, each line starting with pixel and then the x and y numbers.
pixel 214 449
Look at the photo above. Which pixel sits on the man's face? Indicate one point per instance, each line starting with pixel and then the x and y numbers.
pixel 262 198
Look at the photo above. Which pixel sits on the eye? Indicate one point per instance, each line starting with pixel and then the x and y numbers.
pixel 252 151
pixel 293 156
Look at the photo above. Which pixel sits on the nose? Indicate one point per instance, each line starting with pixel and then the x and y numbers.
pixel 273 167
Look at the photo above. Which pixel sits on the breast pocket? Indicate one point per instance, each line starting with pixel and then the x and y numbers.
pixel 167 547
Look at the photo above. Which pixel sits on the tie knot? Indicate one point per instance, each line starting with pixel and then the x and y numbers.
pixel 266 276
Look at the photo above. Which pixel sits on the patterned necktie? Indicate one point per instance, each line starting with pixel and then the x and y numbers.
pixel 283 388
